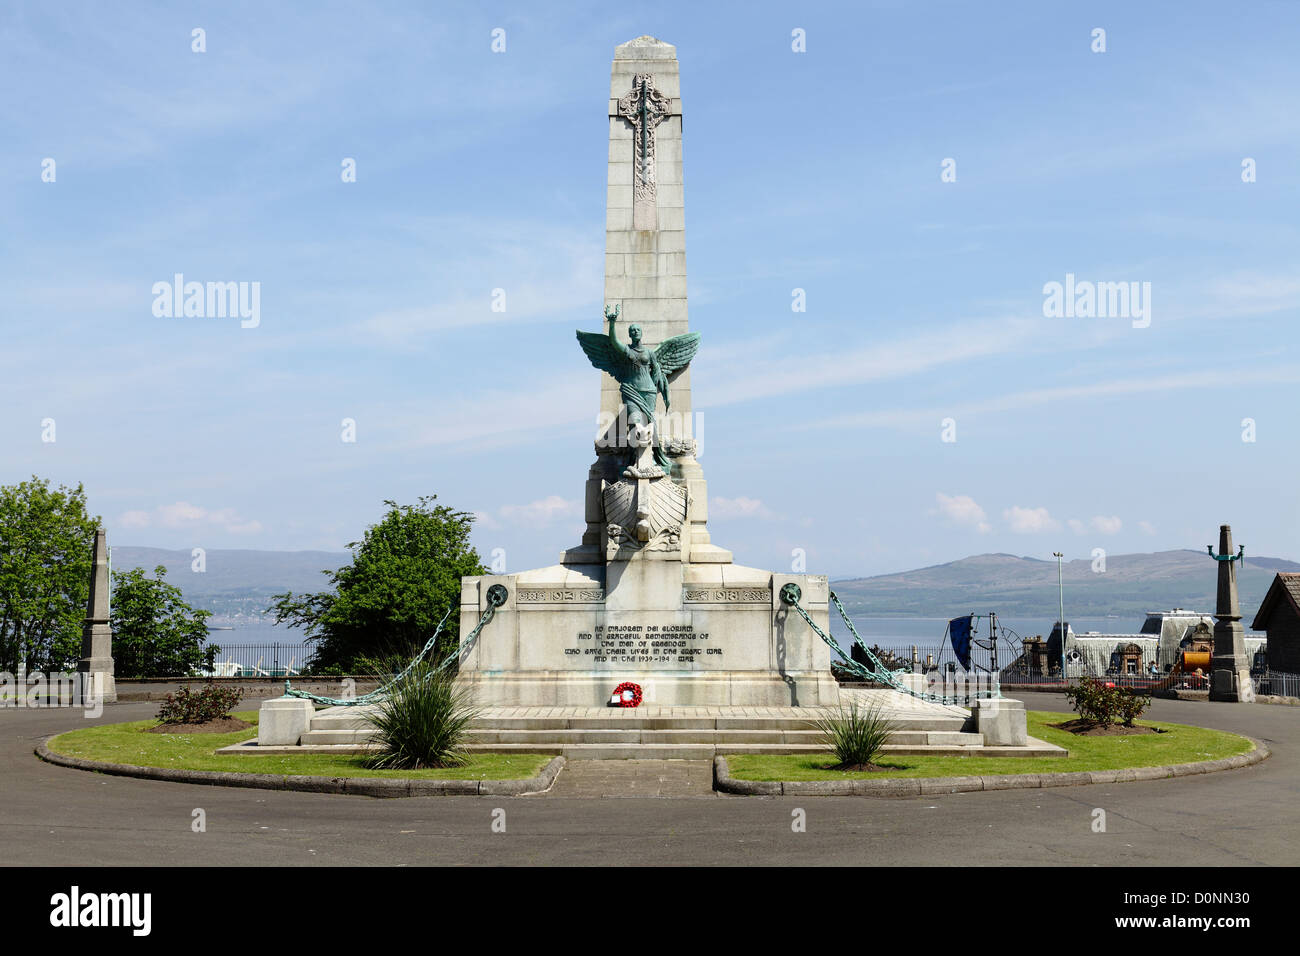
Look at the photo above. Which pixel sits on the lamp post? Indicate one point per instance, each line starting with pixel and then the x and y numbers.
pixel 1060 623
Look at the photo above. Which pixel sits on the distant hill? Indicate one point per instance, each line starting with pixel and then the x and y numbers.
pixel 1027 587
pixel 240 584
pixel 236 584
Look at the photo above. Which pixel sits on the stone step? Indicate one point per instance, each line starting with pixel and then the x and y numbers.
pixel 643 751
pixel 741 738
pixel 316 737
pixel 1036 748
pixel 681 723
pixel 337 721
pixel 905 737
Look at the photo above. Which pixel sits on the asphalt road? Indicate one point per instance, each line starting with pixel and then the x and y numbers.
pixel 55 816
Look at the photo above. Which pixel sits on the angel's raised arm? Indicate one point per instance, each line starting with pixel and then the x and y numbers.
pixel 612 316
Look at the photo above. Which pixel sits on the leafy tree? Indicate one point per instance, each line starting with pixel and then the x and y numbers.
pixel 404 576
pixel 46 538
pixel 155 633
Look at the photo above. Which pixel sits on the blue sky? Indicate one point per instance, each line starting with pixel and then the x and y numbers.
pixel 817 170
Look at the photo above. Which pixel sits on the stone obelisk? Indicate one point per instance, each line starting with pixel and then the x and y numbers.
pixel 645 274
pixel 96 667
pixel 1229 668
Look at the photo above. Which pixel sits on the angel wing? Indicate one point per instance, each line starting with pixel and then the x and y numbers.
pixel 602 354
pixel 676 352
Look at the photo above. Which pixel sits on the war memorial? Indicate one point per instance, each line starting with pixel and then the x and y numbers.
pixel 724 656
pixel 641 691
pixel 646 595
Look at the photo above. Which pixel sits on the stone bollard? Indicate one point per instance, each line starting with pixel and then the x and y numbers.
pixel 282 721
pixel 916 683
pixel 1001 721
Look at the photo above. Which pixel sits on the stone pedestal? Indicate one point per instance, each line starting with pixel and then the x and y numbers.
pixel 688 634
pixel 281 721
pixel 1001 720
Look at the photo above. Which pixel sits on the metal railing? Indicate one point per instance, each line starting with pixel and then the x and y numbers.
pixel 1277 683
pixel 259 660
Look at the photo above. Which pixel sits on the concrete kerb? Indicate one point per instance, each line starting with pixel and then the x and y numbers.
pixel 917 786
pixel 356 786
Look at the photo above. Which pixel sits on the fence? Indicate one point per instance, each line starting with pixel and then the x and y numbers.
pixel 1276 683
pixel 259 660
pixel 928 657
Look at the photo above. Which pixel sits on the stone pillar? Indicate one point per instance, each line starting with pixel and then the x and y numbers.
pixel 1229 666
pixel 645 272
pixel 96 666
pixel 645 224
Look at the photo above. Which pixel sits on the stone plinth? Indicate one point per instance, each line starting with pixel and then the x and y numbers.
pixel 1001 721
pixel 282 721
pixel 702 635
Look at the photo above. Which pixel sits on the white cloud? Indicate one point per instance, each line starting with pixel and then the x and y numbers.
pixel 962 510
pixel 543 511
pixel 738 508
pixel 1030 520
pixel 1147 527
pixel 1107 524
pixel 183 514
pixel 911 418
pixel 768 367
pixel 180 514
pixel 134 519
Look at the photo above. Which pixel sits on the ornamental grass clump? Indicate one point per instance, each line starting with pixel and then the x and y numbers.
pixel 857 735
pixel 421 722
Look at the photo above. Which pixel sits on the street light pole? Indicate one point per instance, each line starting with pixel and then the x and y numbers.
pixel 1060 623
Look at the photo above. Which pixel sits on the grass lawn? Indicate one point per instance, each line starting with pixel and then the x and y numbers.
pixel 1182 744
pixel 129 744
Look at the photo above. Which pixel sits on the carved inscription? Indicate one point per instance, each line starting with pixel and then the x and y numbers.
pixel 559 595
pixel 728 595
pixel 648 644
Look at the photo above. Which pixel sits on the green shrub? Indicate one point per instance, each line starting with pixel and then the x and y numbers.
pixel 1106 704
pixel 1131 704
pixel 857 735
pixel 421 722
pixel 189 707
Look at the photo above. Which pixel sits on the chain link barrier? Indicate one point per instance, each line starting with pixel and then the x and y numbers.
pixel 791 593
pixel 496 596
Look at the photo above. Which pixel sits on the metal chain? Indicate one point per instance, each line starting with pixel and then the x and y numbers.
pixel 496 596
pixel 791 594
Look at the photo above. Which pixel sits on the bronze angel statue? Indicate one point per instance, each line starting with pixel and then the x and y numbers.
pixel 641 373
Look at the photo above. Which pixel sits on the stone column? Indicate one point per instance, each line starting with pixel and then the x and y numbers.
pixel 1229 667
pixel 645 266
pixel 96 664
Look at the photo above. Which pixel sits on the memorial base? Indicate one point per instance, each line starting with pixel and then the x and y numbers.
pixel 1232 685
pixel 700 635
pixel 715 689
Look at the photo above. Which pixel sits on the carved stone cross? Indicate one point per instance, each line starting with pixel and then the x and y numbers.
pixel 644 108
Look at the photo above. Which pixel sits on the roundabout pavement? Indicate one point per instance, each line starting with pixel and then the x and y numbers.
pixel 52 815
